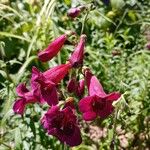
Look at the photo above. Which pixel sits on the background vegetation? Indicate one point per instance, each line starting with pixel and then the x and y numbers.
pixel 115 51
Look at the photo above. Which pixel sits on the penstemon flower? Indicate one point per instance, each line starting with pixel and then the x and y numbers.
pixel 26 97
pixel 62 123
pixel 98 103
pixel 47 81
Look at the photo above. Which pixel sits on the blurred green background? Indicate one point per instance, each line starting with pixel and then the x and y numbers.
pixel 117 35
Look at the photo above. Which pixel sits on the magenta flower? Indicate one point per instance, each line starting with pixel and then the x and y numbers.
pixel 52 49
pixel 56 74
pixel 80 90
pixel 76 87
pixel 26 97
pixel 77 56
pixel 98 103
pixel 63 125
pixel 47 81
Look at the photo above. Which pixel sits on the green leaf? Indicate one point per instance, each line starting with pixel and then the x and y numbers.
pixel 18 139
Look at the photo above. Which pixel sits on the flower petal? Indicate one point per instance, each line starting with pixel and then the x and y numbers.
pixel 93 84
pixel 49 114
pixel 21 89
pixel 80 90
pixel 106 111
pixel 85 104
pixel 50 95
pixel 56 74
pixel 19 106
pixel 72 85
pixel 30 98
pixel 75 139
pixel 113 96
pixel 89 116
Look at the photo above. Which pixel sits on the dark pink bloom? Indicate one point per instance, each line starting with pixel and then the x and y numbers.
pixel 98 103
pixel 47 81
pixel 26 97
pixel 73 12
pixel 76 87
pixel 72 85
pixel 80 90
pixel 52 49
pixel 77 56
pixel 63 125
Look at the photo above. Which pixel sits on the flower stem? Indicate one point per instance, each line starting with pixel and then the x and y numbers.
pixel 84 21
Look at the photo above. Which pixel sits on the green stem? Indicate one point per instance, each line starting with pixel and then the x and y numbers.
pixel 32 42
pixel 121 20
pixel 84 21
pixel 24 66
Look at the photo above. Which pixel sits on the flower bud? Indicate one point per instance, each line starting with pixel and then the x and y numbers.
pixel 71 86
pixel 52 49
pixel 77 56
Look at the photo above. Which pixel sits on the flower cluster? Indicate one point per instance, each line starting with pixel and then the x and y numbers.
pixel 61 120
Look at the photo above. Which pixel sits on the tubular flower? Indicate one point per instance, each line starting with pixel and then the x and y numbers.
pixel 77 56
pixel 46 88
pixel 56 74
pixel 47 81
pixel 98 103
pixel 76 87
pixel 52 49
pixel 63 125
pixel 26 97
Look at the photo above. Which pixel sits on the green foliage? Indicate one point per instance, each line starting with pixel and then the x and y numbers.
pixel 115 52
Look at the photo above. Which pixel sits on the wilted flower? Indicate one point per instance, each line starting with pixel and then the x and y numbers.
pixel 63 125
pixel 77 56
pixel 98 103
pixel 52 49
pixel 75 11
pixel 26 97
